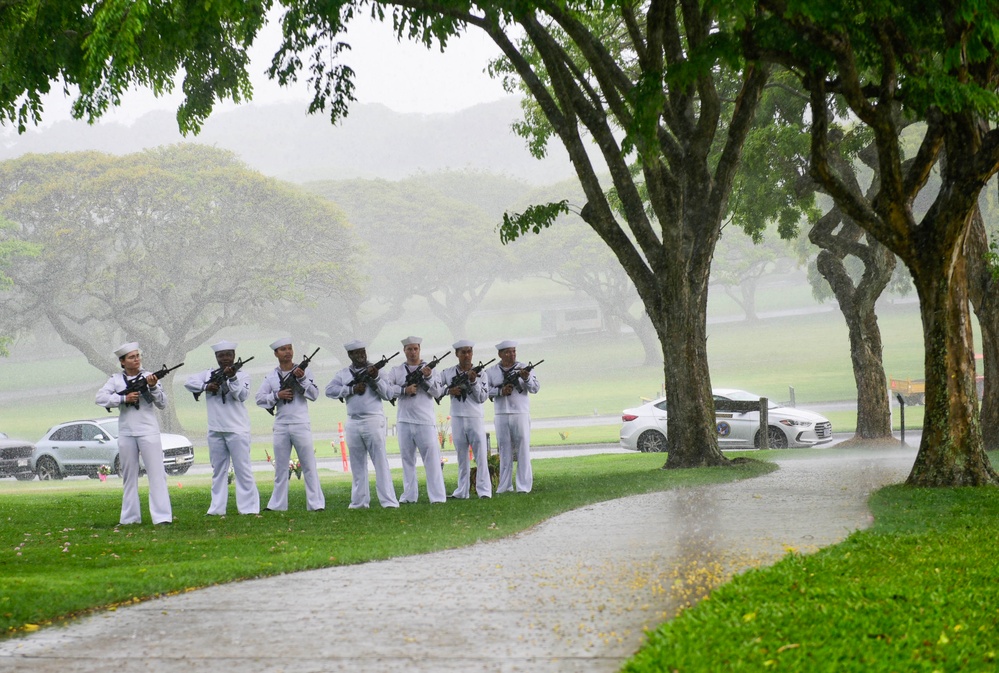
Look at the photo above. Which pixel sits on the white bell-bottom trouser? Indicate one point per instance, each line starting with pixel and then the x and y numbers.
pixel 365 437
pixel 413 436
pixel 151 449
pixel 225 448
pixel 468 431
pixel 513 437
pixel 298 435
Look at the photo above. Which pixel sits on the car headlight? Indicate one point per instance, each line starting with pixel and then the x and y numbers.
pixel 792 423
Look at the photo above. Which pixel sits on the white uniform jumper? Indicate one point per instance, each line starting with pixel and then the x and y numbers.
pixel 292 428
pixel 417 425
pixel 228 441
pixel 468 430
pixel 365 438
pixel 139 433
pixel 513 427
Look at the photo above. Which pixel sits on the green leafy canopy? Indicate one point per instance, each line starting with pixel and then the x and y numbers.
pixel 535 219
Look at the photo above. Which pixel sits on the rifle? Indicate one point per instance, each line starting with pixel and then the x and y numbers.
pixel 415 377
pixel 512 377
pixel 289 381
pixel 460 380
pixel 219 378
pixel 141 386
pixel 364 377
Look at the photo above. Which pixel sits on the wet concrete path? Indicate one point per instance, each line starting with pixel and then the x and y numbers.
pixel 573 594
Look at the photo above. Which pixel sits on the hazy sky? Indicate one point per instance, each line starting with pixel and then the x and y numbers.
pixel 405 77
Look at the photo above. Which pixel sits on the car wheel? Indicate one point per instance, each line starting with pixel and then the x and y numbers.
pixel 47 469
pixel 24 476
pixel 775 438
pixel 651 441
pixel 116 470
pixel 178 470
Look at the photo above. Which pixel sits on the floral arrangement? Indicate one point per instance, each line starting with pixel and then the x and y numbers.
pixel 294 468
pixel 104 469
pixel 232 476
pixel 444 431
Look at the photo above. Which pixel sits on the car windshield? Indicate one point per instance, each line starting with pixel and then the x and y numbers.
pixel 743 396
pixel 110 426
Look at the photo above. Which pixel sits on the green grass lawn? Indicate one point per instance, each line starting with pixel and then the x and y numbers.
pixel 582 375
pixel 917 592
pixel 61 553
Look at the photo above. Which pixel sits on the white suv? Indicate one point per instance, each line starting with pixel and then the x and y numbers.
pixel 81 447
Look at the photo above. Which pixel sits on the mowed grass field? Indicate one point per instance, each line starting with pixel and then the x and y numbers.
pixel 582 376
pixel 915 592
pixel 62 552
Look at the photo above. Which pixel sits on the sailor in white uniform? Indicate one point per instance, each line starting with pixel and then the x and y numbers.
pixel 292 426
pixel 228 431
pixel 363 389
pixel 512 417
pixel 417 423
pixel 138 433
pixel 468 427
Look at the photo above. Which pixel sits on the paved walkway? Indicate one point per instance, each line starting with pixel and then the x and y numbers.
pixel 571 595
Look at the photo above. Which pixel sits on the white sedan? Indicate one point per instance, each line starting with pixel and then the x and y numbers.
pixel 644 428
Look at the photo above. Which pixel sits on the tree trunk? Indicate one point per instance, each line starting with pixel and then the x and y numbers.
pixel 951 452
pixel 748 290
pixel 988 320
pixel 744 295
pixel 643 328
pixel 651 345
pixel 690 430
pixel 857 303
pixel 457 306
pixel 169 422
pixel 873 401
pixel 983 288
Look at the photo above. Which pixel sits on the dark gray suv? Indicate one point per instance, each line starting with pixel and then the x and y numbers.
pixel 15 458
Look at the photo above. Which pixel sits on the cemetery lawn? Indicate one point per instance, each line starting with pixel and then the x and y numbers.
pixel 919 591
pixel 62 553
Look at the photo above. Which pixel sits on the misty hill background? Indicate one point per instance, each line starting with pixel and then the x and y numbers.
pixel 282 141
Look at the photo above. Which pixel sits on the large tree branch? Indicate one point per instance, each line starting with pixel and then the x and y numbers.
pixel 614 82
pixel 854 205
pixel 920 167
pixel 601 217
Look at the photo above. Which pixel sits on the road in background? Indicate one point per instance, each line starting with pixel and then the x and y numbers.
pixel 335 463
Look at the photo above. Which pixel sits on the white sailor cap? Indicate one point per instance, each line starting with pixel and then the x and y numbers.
pixel 354 345
pixel 411 341
pixel 224 346
pixel 283 341
pixel 125 349
pixel 464 343
pixel 503 345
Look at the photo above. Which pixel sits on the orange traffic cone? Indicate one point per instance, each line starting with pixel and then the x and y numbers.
pixel 343 447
